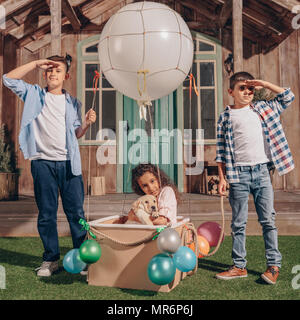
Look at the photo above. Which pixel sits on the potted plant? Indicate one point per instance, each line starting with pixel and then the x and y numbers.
pixel 9 174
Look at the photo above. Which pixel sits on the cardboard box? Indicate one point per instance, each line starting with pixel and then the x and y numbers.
pixel 126 252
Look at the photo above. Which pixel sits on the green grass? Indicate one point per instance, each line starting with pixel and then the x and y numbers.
pixel 20 256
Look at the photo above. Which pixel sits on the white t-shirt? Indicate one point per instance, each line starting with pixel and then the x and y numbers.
pixel 250 145
pixel 50 129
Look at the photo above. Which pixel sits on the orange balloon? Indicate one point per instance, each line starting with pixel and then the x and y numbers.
pixel 203 246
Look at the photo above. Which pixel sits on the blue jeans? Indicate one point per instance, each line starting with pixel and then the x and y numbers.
pixel 255 180
pixel 51 178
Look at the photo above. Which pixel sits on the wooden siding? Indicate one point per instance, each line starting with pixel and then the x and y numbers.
pixel 281 66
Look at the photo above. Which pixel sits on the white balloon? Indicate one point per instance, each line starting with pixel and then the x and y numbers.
pixel 146 50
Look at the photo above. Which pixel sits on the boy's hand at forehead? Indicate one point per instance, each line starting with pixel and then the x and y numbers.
pixel 45 64
pixel 258 84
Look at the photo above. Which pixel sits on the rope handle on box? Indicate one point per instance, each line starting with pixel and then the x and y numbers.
pixel 152 236
pixel 188 227
pixel 184 240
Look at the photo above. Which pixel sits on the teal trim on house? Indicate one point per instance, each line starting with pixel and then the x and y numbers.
pixel 180 125
pixel 119 134
pixel 81 58
pixel 217 56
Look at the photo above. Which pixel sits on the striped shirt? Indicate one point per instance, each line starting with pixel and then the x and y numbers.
pixel 269 114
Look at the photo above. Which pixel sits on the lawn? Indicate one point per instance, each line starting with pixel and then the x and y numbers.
pixel 20 256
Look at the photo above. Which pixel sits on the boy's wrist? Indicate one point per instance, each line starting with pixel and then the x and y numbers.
pixel 266 84
pixel 273 87
pixel 35 64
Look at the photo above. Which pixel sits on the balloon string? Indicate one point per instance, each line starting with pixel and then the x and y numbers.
pixel 95 86
pixel 193 85
pixel 156 152
pixel 138 82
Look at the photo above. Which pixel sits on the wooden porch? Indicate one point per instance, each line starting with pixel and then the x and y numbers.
pixel 19 218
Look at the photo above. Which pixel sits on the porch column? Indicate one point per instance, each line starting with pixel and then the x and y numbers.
pixel 55 9
pixel 237 29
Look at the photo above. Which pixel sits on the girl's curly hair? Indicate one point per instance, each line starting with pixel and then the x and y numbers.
pixel 142 168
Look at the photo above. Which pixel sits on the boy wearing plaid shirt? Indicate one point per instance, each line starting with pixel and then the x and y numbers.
pixel 251 141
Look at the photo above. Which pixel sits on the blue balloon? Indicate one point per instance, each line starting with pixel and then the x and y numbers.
pixel 185 259
pixel 161 269
pixel 72 262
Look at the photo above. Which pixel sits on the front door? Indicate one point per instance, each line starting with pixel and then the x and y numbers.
pixel 143 145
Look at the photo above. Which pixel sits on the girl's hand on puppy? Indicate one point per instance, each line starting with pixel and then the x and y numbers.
pixel 160 220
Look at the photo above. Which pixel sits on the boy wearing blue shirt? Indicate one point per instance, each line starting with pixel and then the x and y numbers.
pixel 250 141
pixel 50 126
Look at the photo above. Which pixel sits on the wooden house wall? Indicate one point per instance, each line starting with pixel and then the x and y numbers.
pixel 280 66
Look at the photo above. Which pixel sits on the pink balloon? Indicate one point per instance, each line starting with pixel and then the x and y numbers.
pixel 211 232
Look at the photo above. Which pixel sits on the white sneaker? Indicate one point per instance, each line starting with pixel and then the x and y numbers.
pixel 84 272
pixel 47 268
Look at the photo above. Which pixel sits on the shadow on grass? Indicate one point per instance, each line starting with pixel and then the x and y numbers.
pixel 141 293
pixel 31 262
pixel 217 267
pixel 62 277
pixel 24 259
pixel 19 259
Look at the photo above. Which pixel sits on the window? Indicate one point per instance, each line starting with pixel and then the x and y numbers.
pixel 200 111
pixel 103 100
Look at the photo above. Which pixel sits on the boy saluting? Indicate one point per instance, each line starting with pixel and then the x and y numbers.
pixel 50 126
pixel 250 141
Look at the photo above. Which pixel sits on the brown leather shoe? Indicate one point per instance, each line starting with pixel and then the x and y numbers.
pixel 232 273
pixel 271 275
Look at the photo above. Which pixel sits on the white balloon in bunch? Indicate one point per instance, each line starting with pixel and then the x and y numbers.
pixel 168 241
pixel 145 50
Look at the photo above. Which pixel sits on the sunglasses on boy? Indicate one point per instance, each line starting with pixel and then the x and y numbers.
pixel 243 88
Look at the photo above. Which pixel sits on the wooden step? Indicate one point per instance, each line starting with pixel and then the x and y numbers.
pixel 19 218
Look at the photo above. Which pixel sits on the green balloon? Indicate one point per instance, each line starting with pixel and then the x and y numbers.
pixel 161 269
pixel 90 251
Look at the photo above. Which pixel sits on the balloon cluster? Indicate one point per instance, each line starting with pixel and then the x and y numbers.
pixel 76 259
pixel 89 252
pixel 208 234
pixel 162 267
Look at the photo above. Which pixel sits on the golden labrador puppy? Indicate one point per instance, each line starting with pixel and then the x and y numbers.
pixel 144 208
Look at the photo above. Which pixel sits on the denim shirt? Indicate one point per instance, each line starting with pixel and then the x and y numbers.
pixel 34 101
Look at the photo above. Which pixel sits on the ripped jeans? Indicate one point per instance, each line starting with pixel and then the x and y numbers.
pixel 255 180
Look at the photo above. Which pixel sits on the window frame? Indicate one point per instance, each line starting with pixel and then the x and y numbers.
pixel 85 58
pixel 208 56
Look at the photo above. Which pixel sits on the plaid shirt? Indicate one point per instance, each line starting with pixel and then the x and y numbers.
pixel 269 114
